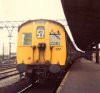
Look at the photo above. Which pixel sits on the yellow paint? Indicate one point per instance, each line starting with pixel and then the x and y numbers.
pixel 25 53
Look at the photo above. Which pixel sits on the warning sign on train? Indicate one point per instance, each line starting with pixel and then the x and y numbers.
pixel 54 38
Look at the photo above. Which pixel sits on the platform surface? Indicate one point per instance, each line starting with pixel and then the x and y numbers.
pixel 83 77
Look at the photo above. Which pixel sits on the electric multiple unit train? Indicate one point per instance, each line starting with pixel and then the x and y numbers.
pixel 43 49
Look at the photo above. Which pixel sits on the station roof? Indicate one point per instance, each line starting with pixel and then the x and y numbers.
pixel 83 18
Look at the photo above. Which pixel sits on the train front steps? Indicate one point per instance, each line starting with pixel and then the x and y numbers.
pixel 83 77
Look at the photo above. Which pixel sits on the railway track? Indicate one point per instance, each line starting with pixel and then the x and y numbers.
pixel 47 87
pixel 7 69
pixel 7 61
pixel 8 64
pixel 50 86
pixel 24 86
pixel 8 73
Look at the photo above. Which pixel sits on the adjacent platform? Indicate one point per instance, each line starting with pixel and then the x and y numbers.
pixel 83 77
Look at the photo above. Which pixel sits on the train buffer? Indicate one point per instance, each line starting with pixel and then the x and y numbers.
pixel 83 77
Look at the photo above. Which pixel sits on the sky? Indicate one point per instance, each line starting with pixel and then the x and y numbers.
pixel 30 9
pixel 18 10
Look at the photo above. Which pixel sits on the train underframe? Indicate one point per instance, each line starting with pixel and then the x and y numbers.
pixel 40 73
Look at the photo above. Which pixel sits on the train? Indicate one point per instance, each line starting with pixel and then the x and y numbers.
pixel 44 49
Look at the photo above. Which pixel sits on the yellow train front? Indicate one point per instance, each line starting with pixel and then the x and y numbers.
pixel 42 48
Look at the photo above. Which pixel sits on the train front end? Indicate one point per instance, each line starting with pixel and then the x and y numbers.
pixel 41 47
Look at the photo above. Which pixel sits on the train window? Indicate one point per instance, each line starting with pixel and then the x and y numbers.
pixel 54 38
pixel 26 38
pixel 40 32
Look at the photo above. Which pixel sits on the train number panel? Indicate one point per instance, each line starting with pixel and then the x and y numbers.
pixel 40 32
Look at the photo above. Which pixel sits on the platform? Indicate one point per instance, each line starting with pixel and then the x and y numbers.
pixel 83 77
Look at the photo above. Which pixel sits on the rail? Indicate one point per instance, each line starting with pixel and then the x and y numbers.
pixel 8 73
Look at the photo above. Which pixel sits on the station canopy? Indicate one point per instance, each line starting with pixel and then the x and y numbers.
pixel 83 18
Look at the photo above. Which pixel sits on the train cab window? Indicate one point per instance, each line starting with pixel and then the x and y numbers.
pixel 40 32
pixel 26 38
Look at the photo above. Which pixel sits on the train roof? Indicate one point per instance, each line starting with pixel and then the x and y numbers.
pixel 29 21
